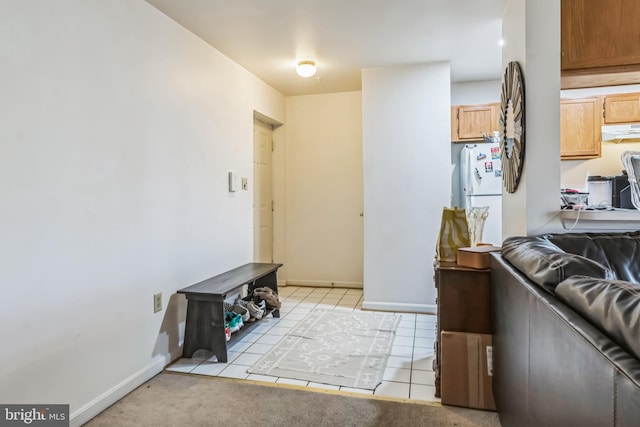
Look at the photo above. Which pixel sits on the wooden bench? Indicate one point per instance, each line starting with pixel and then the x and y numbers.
pixel 205 310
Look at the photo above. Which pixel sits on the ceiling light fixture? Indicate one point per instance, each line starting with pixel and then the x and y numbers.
pixel 306 68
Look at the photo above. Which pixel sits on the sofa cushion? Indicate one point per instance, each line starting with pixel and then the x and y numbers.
pixel 618 251
pixel 546 264
pixel 613 306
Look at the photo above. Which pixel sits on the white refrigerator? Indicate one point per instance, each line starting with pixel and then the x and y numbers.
pixel 481 185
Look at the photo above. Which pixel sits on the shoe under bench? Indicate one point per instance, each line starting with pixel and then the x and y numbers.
pixel 205 326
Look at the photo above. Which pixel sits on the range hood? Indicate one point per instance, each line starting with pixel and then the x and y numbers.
pixel 621 133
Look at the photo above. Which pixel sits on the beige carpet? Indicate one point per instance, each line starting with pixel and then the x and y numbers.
pixel 173 399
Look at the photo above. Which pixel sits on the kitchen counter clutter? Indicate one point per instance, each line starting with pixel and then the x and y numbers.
pixel 613 202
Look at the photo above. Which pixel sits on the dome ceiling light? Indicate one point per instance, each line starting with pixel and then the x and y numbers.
pixel 306 68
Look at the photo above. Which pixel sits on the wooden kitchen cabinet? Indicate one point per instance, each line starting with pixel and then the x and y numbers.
pixel 599 43
pixel 472 122
pixel 580 133
pixel 622 108
pixel 599 33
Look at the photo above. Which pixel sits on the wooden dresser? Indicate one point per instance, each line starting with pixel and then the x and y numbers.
pixel 464 304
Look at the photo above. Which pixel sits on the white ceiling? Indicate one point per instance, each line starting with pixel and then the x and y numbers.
pixel 268 37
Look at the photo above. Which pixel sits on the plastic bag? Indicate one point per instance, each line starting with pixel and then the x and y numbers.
pixel 454 234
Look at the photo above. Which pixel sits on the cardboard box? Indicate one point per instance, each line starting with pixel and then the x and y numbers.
pixel 477 256
pixel 466 370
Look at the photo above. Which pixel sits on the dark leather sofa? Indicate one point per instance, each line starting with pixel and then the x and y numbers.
pixel 566 318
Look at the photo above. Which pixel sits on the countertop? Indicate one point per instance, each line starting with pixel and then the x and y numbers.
pixel 601 219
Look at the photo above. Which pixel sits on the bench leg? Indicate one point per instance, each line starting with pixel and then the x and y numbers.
pixel 204 329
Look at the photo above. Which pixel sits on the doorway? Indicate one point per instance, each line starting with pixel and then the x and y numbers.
pixel 262 192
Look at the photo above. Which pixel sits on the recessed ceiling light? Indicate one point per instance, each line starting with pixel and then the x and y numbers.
pixel 306 68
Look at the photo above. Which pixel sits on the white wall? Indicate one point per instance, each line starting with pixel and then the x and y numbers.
pixel 406 151
pixel 324 189
pixel 117 129
pixel 479 92
pixel 534 207
pixel 574 173
pixel 596 91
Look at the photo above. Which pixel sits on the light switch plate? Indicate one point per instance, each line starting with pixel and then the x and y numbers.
pixel 157 302
pixel 233 182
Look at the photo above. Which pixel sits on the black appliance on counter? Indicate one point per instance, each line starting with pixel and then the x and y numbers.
pixel 621 192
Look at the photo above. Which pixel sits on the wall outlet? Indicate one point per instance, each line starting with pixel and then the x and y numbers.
pixel 157 302
pixel 245 183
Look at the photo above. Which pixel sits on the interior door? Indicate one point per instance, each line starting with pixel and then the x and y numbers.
pixel 262 192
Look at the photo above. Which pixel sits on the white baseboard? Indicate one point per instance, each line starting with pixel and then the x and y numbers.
pixel 400 307
pixel 117 392
pixel 325 284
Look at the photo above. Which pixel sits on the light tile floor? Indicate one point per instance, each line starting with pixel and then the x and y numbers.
pixel 408 375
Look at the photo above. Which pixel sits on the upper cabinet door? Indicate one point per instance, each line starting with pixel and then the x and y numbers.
pixel 475 121
pixel 622 108
pixel 598 33
pixel 580 128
